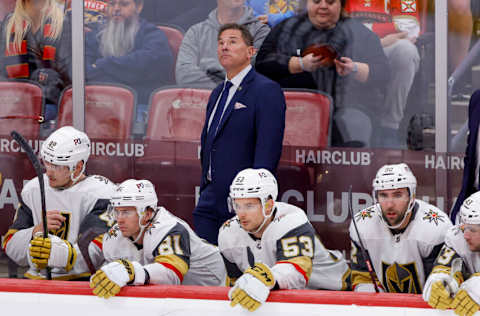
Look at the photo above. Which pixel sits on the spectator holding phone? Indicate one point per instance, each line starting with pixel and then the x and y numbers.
pixel 324 49
pixel 398 27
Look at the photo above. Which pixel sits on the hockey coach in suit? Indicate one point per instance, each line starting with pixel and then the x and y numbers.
pixel 244 128
pixel 471 177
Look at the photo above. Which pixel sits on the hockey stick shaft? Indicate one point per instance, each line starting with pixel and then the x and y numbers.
pixel 365 255
pixel 39 171
pixel 38 118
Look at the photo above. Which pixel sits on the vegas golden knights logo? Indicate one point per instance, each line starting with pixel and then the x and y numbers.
pixel 63 231
pixel 401 278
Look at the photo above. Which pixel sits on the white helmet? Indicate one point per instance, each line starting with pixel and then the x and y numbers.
pixel 137 193
pixel 254 183
pixel 66 147
pixel 470 210
pixel 395 177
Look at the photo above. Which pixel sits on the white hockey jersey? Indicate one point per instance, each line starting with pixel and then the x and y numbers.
pixel 456 247
pixel 84 205
pixel 402 261
pixel 171 242
pixel 289 246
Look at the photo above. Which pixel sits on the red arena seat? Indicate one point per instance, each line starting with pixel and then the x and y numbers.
pixel 177 113
pixel 308 118
pixel 175 36
pixel 23 100
pixel 172 142
pixel 307 124
pixel 109 110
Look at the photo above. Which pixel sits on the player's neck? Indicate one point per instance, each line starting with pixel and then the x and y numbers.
pixel 71 183
pixel 140 240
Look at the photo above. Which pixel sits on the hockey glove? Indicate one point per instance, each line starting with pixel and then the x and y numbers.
pixel 464 305
pixel 53 252
pixel 108 281
pixel 439 290
pixel 467 300
pixel 253 287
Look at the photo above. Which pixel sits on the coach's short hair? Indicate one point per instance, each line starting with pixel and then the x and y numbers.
pixel 246 35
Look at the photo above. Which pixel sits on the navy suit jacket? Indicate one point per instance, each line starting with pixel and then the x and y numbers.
pixel 470 159
pixel 249 135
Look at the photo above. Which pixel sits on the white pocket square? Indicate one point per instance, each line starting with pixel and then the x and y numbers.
pixel 238 106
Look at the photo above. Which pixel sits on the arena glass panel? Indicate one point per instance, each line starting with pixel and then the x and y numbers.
pixel 130 140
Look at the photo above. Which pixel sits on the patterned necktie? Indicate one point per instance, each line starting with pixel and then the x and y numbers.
pixel 212 130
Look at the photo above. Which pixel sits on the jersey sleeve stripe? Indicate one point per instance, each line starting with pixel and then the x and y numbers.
pixel 302 265
pixel 170 267
pixel 174 263
pixel 7 238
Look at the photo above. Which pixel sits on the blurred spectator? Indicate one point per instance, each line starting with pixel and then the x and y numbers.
pixel 272 12
pixel 354 79
pixel 36 45
pixel 460 27
pixel 183 13
pixel 6 7
pixel 130 51
pixel 197 61
pixel 398 26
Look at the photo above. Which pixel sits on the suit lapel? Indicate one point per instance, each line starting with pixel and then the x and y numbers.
pixel 241 90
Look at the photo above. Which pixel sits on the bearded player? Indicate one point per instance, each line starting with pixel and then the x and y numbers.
pixel 402 235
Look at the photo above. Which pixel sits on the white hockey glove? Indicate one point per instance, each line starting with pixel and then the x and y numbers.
pixel 53 252
pixel 467 300
pixel 109 280
pixel 439 290
pixel 253 287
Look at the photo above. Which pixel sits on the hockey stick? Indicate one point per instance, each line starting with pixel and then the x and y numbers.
pixel 366 256
pixel 38 118
pixel 83 242
pixel 39 171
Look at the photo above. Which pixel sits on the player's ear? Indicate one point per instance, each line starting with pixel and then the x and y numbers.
pixel 148 215
pixel 78 168
pixel 269 206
